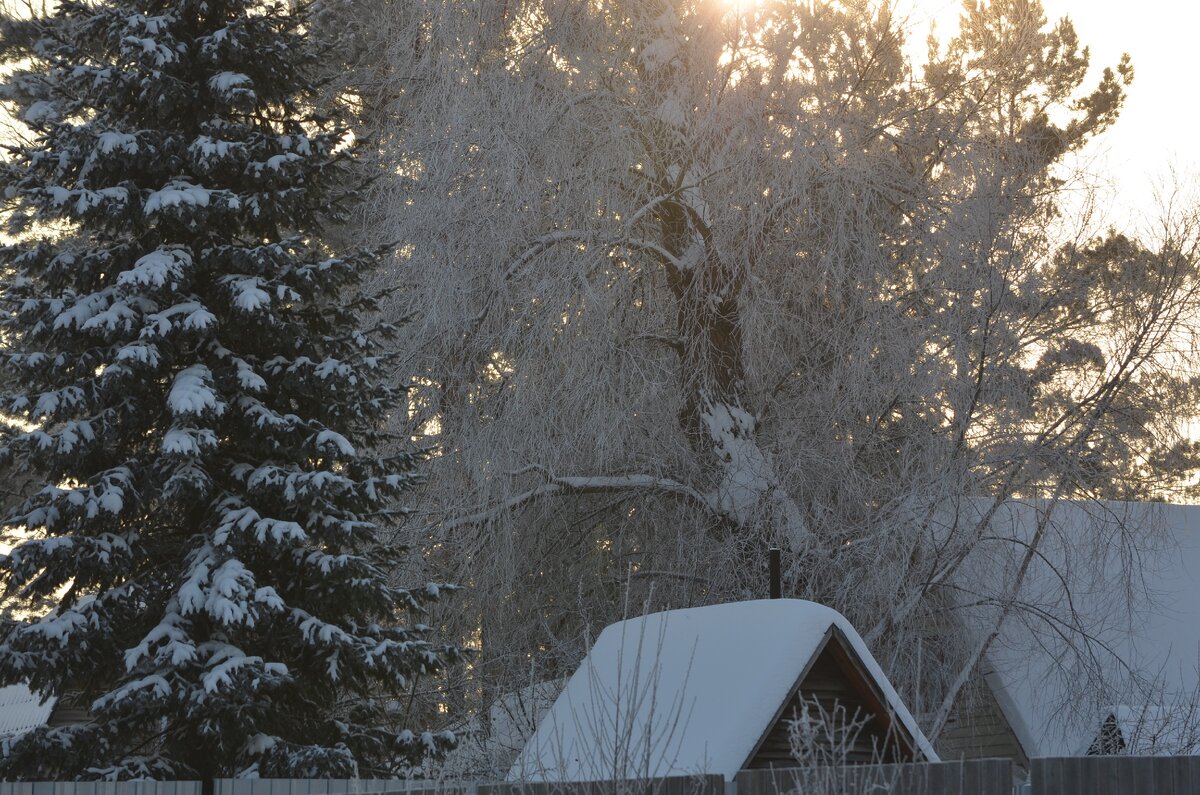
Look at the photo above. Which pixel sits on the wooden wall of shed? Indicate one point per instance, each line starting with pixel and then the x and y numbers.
pixel 68 710
pixel 826 685
pixel 977 728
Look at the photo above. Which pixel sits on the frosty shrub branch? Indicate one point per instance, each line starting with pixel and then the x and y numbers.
pixel 197 409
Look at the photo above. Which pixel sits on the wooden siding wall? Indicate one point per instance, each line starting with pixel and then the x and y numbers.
pixel 826 686
pixel 977 728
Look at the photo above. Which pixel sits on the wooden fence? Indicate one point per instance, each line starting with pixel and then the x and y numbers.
pixel 986 777
pixel 1116 775
pixel 674 785
pixel 975 777
pixel 1092 775
pixel 263 786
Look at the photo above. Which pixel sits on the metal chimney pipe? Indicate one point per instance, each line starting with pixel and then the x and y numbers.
pixel 776 580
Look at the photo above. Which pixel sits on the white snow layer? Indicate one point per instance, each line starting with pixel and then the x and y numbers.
pixel 206 148
pixel 188 441
pixel 188 316
pixel 686 692
pixel 747 473
pixel 248 294
pixel 41 111
pixel 21 710
pixel 109 142
pixel 176 193
pixel 157 269
pixel 192 393
pixel 334 441
pixel 231 85
pixel 161 53
pixel 663 48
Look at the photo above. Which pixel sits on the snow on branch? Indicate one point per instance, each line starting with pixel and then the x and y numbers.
pixel 593 484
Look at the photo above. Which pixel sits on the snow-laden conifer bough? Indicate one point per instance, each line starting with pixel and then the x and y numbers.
pixel 200 526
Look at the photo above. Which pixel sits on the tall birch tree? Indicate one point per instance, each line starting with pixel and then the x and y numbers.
pixel 691 277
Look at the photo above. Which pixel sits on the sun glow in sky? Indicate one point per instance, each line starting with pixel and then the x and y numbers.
pixel 1151 152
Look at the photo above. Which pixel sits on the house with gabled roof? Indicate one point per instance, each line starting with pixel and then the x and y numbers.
pixel 715 690
pixel 21 709
pixel 1101 651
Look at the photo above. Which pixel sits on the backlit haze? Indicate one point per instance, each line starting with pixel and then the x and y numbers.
pixel 1152 147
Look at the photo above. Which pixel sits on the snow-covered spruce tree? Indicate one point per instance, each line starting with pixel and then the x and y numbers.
pixel 198 408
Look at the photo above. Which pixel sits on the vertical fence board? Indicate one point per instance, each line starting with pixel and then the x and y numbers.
pixel 942 779
pixel 1181 778
pixel 1090 776
pixel 1090 780
pixel 1050 773
pixel 1125 775
pixel 1037 774
pixel 1110 775
pixel 961 779
pixel 1000 776
pixel 1164 778
pixel 1067 775
pixel 985 778
pixel 1142 770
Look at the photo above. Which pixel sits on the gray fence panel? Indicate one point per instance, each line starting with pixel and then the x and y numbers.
pixel 1126 778
pixel 674 785
pixel 1164 776
pixel 1142 771
pixel 969 777
pixel 1186 778
pixel 1116 775
pixel 1072 777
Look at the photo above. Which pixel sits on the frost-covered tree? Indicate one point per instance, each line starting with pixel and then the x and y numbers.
pixel 198 403
pixel 690 277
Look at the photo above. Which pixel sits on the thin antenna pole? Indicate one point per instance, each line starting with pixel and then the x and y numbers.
pixel 776 583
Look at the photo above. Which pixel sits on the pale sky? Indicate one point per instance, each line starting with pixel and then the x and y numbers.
pixel 1159 127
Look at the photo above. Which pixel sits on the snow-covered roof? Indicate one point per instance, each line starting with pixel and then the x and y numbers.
pixel 1142 641
pixel 687 692
pixel 21 709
